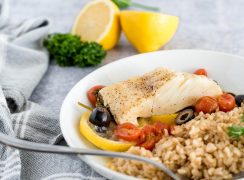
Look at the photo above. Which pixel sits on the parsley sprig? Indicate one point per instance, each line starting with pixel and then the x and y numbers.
pixel 69 50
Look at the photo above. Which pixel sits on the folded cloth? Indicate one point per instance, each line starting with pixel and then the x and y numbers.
pixel 23 62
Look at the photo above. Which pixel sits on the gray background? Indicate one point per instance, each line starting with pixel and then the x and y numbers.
pixel 204 24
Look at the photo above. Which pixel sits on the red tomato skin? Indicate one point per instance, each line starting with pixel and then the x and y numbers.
pixel 149 144
pixel 91 94
pixel 206 104
pixel 151 134
pixel 226 102
pixel 127 131
pixel 159 127
pixel 201 71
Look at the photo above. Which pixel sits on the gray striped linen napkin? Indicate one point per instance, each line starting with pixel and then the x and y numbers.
pixel 23 62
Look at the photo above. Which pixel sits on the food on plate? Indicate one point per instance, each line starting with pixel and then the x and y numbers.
pixel 161 91
pixel 201 71
pixel 128 132
pixel 226 102
pixel 98 21
pixel 100 117
pixel 92 94
pixel 236 131
pixel 68 50
pixel 148 31
pixel 199 149
pixel 164 118
pixel 239 99
pixel 181 119
pixel 206 104
pixel 152 133
pixel 184 116
pixel 104 141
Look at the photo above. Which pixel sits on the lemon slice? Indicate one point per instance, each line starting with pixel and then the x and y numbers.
pixel 99 141
pixel 165 118
pixel 98 21
pixel 148 31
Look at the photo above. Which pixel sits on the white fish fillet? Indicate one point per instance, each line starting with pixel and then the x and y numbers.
pixel 161 91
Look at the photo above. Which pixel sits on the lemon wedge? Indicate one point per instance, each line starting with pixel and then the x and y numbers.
pixel 100 142
pixel 98 21
pixel 148 31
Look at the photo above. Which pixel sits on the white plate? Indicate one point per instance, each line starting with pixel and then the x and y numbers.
pixel 227 69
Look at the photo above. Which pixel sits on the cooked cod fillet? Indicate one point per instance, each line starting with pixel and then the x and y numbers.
pixel 161 91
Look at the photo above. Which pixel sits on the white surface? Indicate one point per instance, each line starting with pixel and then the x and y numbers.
pixel 224 68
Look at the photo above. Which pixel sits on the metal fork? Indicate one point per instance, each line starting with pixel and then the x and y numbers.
pixel 46 148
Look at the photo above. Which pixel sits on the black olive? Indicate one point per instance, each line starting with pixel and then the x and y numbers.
pixel 100 117
pixel 184 116
pixel 239 99
pixel 101 129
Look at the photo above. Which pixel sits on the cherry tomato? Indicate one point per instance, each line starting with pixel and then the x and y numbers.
pixel 92 94
pixel 149 137
pixel 151 134
pixel 127 131
pixel 206 104
pixel 201 72
pixel 159 127
pixel 226 102
pixel 149 130
pixel 149 144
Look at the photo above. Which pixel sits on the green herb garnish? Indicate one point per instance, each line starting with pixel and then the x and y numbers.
pixel 236 131
pixel 126 3
pixel 69 50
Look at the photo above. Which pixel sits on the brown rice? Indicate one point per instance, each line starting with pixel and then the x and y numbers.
pixel 199 149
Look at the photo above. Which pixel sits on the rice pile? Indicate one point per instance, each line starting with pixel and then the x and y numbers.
pixel 199 149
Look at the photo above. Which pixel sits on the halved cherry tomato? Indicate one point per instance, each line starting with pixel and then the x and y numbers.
pixel 160 127
pixel 151 134
pixel 226 102
pixel 201 72
pixel 206 104
pixel 92 94
pixel 127 131
pixel 149 144
pixel 149 137
pixel 146 137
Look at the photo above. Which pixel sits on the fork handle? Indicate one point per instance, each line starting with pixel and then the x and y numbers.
pixel 47 148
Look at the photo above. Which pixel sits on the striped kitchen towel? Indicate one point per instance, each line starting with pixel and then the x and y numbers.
pixel 23 62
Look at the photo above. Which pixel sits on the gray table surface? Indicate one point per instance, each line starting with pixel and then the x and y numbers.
pixel 204 24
